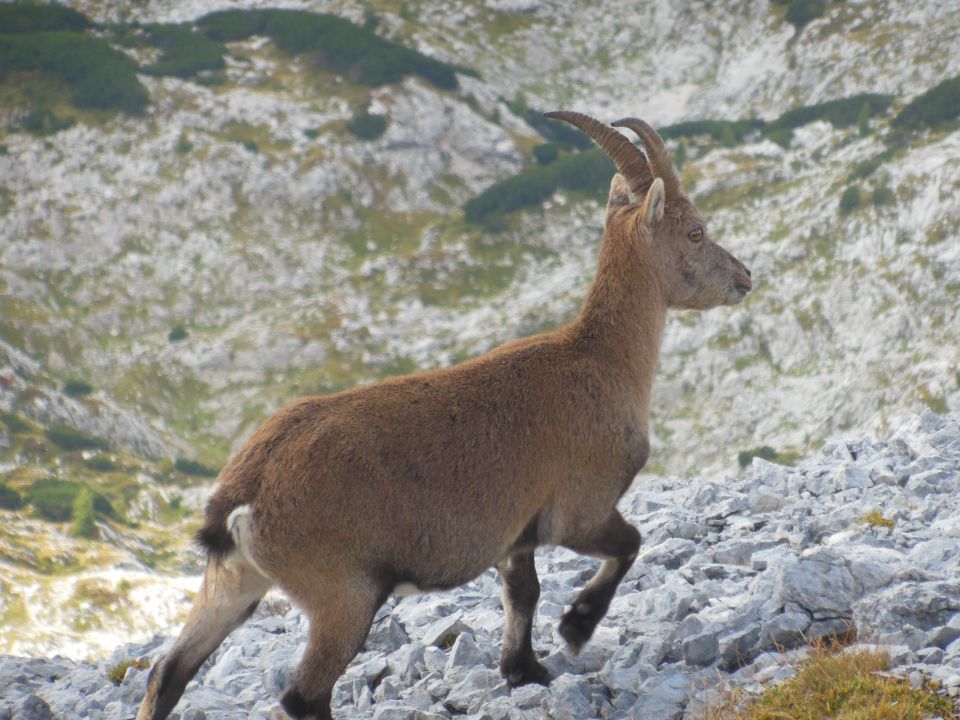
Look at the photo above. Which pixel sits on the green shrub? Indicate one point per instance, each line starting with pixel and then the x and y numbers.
pixel 184 53
pixel 782 137
pixel 882 195
pixel 23 17
pixel 75 387
pixel 801 12
pixel 231 25
pixel 546 153
pixel 70 439
pixel 370 19
pixel 680 157
pixel 192 467
pixel 84 522
pixel 42 121
pixel 839 113
pixel 366 126
pixel 555 131
pixel 177 333
pixel 765 452
pixel 99 76
pixel 101 463
pixel 337 44
pixel 14 424
pixel 9 498
pixel 863 120
pixel 850 200
pixel 937 105
pixel 54 499
pixel 868 167
pixel 716 129
pixel 589 170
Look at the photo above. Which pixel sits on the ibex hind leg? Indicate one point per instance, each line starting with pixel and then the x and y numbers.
pixel 228 595
pixel 340 619
pixel 618 542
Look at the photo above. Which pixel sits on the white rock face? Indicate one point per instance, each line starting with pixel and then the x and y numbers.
pixel 717 605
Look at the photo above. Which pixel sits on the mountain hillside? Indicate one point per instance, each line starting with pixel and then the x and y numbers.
pixel 210 208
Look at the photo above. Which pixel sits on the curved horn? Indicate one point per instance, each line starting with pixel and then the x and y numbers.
pixel 656 150
pixel 629 159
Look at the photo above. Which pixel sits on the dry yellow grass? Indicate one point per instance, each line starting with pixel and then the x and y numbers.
pixel 834 685
pixel 876 519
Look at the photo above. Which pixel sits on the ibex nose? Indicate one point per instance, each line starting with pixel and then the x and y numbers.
pixel 743 282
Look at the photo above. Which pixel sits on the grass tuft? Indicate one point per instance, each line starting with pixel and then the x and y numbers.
pixel 876 519
pixel 117 672
pixel 851 685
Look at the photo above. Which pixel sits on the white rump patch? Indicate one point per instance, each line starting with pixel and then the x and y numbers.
pixel 406 588
pixel 239 525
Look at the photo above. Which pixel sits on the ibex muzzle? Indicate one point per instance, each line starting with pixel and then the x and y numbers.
pixel 428 480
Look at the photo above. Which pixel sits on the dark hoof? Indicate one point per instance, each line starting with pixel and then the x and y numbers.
pixel 530 672
pixel 577 626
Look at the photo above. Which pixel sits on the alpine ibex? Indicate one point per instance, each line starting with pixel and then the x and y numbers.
pixel 428 480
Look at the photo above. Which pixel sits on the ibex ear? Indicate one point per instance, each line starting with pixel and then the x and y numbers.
pixel 619 197
pixel 653 204
pixel 619 193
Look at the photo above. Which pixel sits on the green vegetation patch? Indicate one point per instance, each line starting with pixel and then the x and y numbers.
pixel 192 467
pixel 801 12
pixel 14 424
pixel 882 195
pixel 869 166
pixel 590 170
pixel 177 332
pixel 937 105
pixel 555 131
pixel 9 498
pixel 70 439
pixel 99 76
pixel 366 126
pixel 850 200
pixel 27 17
pixel 84 514
pixel 184 52
pixel 337 45
pixel 727 132
pixel 546 153
pixel 843 112
pixel 74 387
pixel 43 121
pixel 56 500
pixel 101 463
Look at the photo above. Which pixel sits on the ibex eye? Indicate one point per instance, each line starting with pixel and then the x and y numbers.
pixel 696 234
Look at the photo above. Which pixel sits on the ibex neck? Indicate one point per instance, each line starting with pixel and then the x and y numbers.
pixel 624 315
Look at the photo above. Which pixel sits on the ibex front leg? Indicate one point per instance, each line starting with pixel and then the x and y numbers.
pixel 618 542
pixel 520 592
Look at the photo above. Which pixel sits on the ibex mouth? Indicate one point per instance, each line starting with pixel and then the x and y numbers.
pixel 739 292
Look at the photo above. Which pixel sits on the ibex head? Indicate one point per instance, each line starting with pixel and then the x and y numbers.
pixel 693 271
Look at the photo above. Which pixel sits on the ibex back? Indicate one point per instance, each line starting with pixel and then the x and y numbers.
pixel 430 479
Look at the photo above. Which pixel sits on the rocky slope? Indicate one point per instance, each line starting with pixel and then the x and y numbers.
pixel 863 536
pixel 298 258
